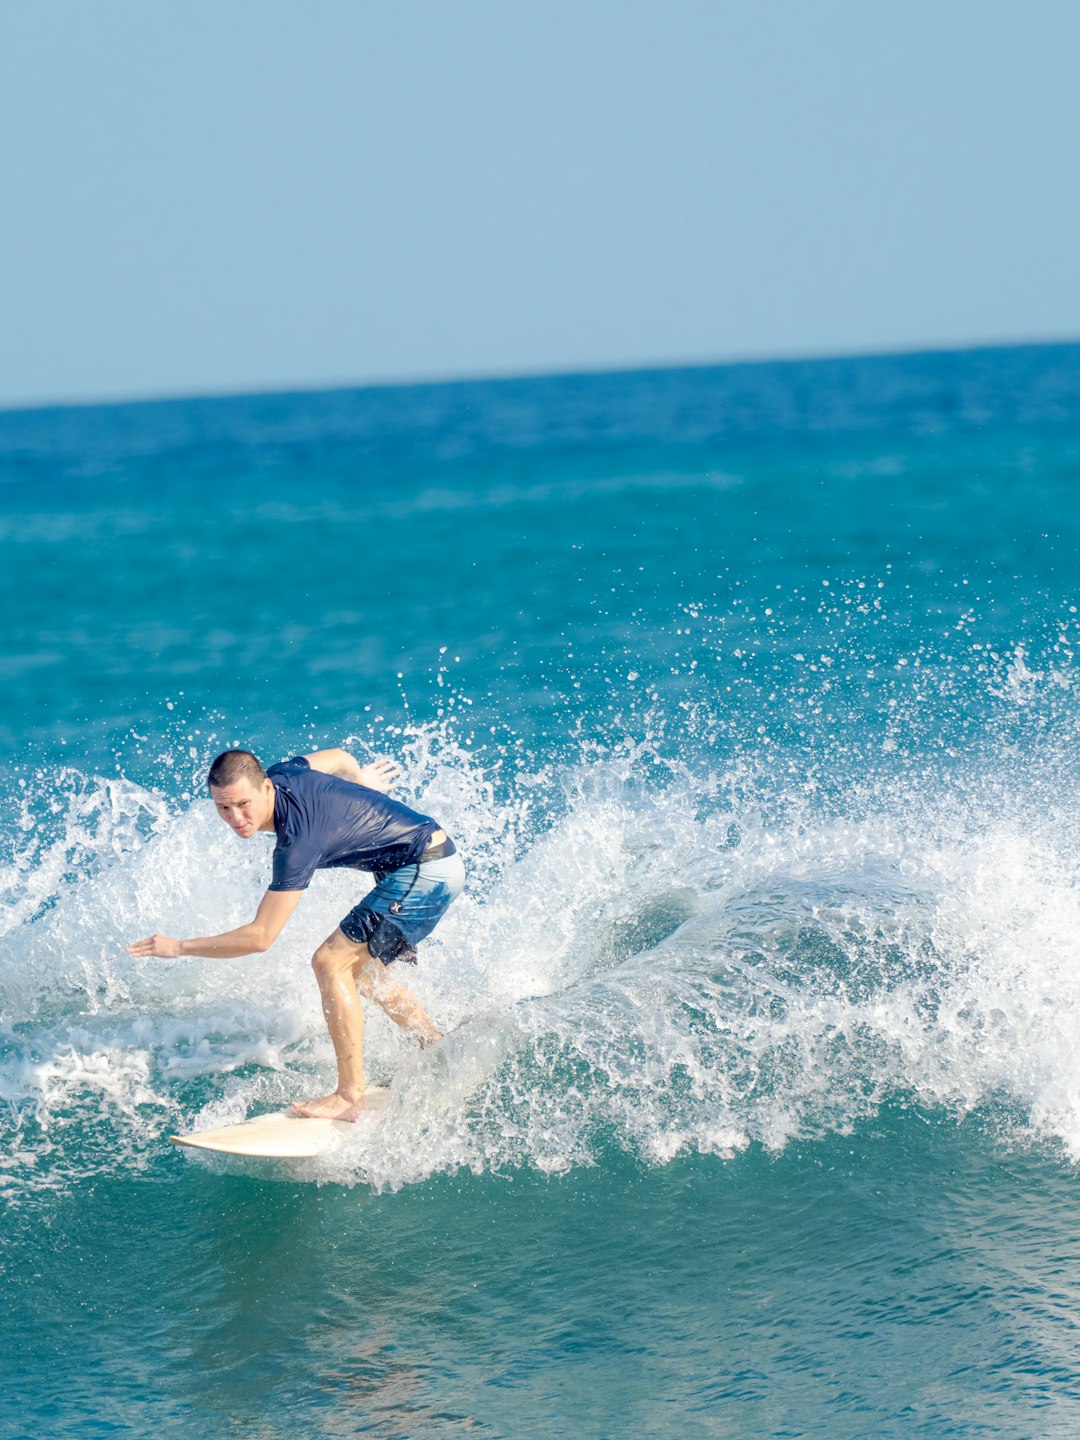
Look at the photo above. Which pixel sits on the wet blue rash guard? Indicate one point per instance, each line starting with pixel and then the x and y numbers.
pixel 323 822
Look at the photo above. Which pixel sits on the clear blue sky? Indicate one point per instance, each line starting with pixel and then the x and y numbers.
pixel 239 194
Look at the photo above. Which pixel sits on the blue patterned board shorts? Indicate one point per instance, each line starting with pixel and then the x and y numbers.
pixel 404 907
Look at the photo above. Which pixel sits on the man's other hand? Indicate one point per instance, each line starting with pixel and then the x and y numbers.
pixel 163 945
pixel 380 775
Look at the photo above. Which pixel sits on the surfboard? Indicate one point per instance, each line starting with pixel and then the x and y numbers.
pixel 281 1136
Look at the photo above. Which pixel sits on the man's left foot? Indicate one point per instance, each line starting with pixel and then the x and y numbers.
pixel 329 1107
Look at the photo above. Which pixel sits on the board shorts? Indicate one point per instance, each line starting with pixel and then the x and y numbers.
pixel 406 905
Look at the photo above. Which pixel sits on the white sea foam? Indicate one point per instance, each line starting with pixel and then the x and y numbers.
pixel 645 958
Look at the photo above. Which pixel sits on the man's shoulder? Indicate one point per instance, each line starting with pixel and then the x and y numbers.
pixel 298 765
pixel 292 802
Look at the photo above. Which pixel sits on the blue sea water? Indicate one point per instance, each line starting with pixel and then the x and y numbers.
pixel 751 695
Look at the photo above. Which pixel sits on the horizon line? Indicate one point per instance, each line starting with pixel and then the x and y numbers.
pixel 794 357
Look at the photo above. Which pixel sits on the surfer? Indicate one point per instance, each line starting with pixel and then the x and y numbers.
pixel 327 811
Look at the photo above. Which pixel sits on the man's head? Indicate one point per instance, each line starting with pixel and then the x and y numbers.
pixel 242 793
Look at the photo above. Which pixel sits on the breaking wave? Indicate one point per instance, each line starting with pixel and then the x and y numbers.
pixel 662 949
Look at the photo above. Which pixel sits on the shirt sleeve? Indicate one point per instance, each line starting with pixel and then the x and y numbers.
pixel 296 858
pixel 294 864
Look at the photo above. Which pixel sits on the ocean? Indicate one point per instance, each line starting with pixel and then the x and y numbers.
pixel 750 695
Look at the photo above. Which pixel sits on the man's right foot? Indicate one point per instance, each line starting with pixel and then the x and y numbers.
pixel 329 1107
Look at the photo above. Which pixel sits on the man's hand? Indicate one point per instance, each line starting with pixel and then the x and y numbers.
pixel 380 775
pixel 163 945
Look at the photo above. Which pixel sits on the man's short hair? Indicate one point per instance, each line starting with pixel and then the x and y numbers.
pixel 233 765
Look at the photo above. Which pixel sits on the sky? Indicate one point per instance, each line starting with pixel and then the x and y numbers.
pixel 236 195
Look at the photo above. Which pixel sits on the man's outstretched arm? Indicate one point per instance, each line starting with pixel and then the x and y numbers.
pixel 381 774
pixel 274 909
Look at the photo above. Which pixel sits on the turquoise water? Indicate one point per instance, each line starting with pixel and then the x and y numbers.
pixel 750 693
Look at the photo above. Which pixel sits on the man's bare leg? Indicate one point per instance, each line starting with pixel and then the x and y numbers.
pixel 373 981
pixel 334 964
pixel 341 966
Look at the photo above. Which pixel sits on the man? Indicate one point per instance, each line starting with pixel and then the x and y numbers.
pixel 327 811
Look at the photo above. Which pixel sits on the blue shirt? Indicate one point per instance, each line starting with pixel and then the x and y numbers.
pixel 323 822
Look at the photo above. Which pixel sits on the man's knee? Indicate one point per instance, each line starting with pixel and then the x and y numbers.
pixel 322 962
pixel 335 956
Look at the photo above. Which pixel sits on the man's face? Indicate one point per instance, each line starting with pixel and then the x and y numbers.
pixel 244 807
